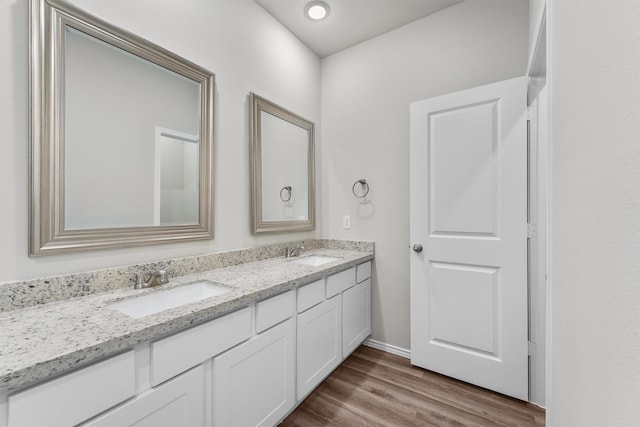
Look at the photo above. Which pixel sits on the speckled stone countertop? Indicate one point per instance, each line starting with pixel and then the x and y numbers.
pixel 45 340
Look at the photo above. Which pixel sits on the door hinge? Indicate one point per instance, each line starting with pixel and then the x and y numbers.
pixel 531 113
pixel 531 349
pixel 531 231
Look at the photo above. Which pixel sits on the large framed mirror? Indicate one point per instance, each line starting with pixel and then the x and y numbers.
pixel 121 137
pixel 282 165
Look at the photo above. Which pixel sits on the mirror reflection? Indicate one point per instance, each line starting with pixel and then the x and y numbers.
pixel 282 157
pixel 284 170
pixel 131 159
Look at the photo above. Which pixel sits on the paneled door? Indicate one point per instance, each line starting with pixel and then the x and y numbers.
pixel 468 231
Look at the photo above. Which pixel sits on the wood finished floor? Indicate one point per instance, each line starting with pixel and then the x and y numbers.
pixel 375 388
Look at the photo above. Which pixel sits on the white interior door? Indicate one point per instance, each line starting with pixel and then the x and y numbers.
pixel 468 215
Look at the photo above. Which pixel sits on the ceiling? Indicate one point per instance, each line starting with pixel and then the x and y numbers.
pixel 350 21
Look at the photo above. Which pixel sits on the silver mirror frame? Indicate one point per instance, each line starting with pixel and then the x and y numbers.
pixel 259 104
pixel 48 19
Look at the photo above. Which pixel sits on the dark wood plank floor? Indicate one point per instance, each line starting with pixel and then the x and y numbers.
pixel 375 388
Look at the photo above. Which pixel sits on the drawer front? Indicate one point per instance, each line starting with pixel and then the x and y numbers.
pixel 363 272
pixel 169 356
pixel 75 397
pixel 177 403
pixel 340 282
pixel 274 310
pixel 310 295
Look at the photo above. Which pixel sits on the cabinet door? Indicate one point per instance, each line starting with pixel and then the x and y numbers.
pixel 254 382
pixel 356 316
pixel 176 403
pixel 319 343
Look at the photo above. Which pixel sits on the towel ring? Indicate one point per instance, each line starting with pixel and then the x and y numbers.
pixel 363 190
pixel 287 194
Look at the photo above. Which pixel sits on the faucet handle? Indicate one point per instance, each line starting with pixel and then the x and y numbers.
pixel 166 269
pixel 294 251
pixel 163 276
pixel 139 284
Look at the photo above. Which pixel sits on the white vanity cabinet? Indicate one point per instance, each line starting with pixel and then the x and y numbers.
pixel 249 367
pixel 176 403
pixel 334 317
pixel 154 374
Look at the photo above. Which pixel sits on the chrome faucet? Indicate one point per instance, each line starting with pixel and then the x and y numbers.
pixel 294 251
pixel 157 278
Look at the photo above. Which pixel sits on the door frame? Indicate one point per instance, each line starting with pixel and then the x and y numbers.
pixel 161 132
pixel 538 102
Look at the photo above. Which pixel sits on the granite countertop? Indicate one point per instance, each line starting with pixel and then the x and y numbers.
pixel 43 341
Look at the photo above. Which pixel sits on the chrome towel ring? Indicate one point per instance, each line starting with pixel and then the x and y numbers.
pixel 287 194
pixel 360 191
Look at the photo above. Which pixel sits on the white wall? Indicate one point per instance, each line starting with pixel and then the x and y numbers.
pixel 366 92
pixel 246 48
pixel 594 77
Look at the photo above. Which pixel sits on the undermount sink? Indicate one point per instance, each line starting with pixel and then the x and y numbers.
pixel 161 300
pixel 315 260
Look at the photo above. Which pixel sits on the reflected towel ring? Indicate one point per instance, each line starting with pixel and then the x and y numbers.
pixel 362 191
pixel 287 193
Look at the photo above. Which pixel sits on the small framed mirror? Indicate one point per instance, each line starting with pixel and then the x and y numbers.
pixel 121 137
pixel 282 165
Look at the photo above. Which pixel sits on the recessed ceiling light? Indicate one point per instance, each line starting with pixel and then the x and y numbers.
pixel 316 10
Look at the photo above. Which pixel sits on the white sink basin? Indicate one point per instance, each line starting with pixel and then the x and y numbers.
pixel 158 301
pixel 315 260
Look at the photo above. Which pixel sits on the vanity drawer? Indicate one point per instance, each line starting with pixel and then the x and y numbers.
pixel 75 397
pixel 340 282
pixel 310 295
pixel 169 356
pixel 363 272
pixel 274 310
pixel 178 402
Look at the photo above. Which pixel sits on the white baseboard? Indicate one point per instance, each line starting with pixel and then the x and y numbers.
pixel 399 351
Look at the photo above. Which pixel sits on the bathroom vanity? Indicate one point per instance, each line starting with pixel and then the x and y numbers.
pixel 245 357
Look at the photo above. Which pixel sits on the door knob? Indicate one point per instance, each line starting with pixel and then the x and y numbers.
pixel 417 248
